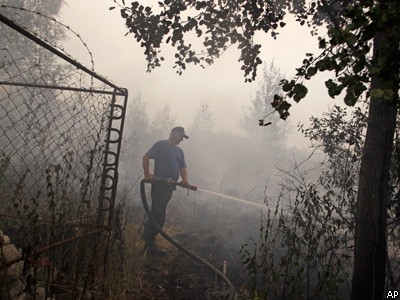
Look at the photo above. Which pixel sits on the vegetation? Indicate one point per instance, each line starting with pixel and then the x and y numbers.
pixel 41 24
pixel 310 229
pixel 362 49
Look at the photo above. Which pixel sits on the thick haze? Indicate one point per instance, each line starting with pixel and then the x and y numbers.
pixel 227 152
pixel 120 59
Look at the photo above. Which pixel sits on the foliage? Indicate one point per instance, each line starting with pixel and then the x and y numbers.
pixel 346 50
pixel 357 69
pixel 204 119
pixel 302 252
pixel 163 121
pixel 219 22
pixel 136 140
pixel 394 202
pixel 260 108
pixel 18 45
pixel 137 125
pixel 342 140
pixel 314 234
pixel 304 248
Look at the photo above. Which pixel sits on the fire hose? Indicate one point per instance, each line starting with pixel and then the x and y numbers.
pixel 232 292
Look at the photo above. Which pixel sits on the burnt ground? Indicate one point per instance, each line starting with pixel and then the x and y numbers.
pixel 176 276
pixel 211 230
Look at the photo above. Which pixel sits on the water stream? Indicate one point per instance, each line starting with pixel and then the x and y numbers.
pixel 232 198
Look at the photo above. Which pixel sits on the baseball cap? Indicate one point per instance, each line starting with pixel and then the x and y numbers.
pixel 181 130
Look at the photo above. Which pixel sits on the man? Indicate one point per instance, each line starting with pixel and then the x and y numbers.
pixel 169 164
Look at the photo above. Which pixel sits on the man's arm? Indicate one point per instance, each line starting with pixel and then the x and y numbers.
pixel 146 167
pixel 184 175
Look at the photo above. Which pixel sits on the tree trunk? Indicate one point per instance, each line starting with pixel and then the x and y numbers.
pixel 370 253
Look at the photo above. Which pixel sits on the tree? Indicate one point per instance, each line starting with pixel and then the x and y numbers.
pixel 37 17
pixel 137 126
pixel 163 122
pixel 308 254
pixel 136 141
pixel 353 27
pixel 204 119
pixel 137 132
pixel 261 109
pixel 21 59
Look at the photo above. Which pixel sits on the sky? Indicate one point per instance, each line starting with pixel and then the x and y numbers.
pixel 121 60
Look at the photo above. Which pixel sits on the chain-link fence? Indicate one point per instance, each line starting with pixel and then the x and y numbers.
pixel 60 134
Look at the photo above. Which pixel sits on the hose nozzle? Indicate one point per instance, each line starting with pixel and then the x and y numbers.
pixel 172 182
pixel 187 185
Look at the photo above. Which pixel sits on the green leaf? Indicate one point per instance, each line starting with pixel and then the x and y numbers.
pixel 285 105
pixel 277 100
pixel 322 44
pixel 333 88
pixel 287 87
pixel 300 91
pixel 311 71
pixel 350 99
pixel 351 39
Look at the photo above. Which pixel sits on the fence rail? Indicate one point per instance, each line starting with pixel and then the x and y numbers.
pixel 61 128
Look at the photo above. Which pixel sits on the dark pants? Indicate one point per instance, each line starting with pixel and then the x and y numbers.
pixel 161 193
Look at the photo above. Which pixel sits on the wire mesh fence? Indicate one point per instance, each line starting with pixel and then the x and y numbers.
pixel 60 134
pixel 48 133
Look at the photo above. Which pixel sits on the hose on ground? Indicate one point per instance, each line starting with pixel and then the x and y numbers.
pixel 232 292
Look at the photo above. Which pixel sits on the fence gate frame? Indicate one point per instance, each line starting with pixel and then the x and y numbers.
pixel 114 133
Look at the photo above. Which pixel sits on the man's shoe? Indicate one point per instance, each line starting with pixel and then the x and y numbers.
pixel 152 249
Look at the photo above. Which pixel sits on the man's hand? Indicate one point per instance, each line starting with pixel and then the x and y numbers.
pixel 184 183
pixel 149 177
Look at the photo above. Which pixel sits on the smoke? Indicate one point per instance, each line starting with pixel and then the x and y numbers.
pixel 240 167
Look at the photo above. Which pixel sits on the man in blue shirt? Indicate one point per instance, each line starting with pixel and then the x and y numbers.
pixel 169 164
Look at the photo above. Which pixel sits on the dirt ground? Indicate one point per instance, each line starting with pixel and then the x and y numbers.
pixel 175 276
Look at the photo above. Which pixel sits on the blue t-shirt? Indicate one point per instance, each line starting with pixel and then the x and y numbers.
pixel 169 159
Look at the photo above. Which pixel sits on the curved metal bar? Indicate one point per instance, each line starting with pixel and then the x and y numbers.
pixel 119 136
pixel 108 164
pixel 122 112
